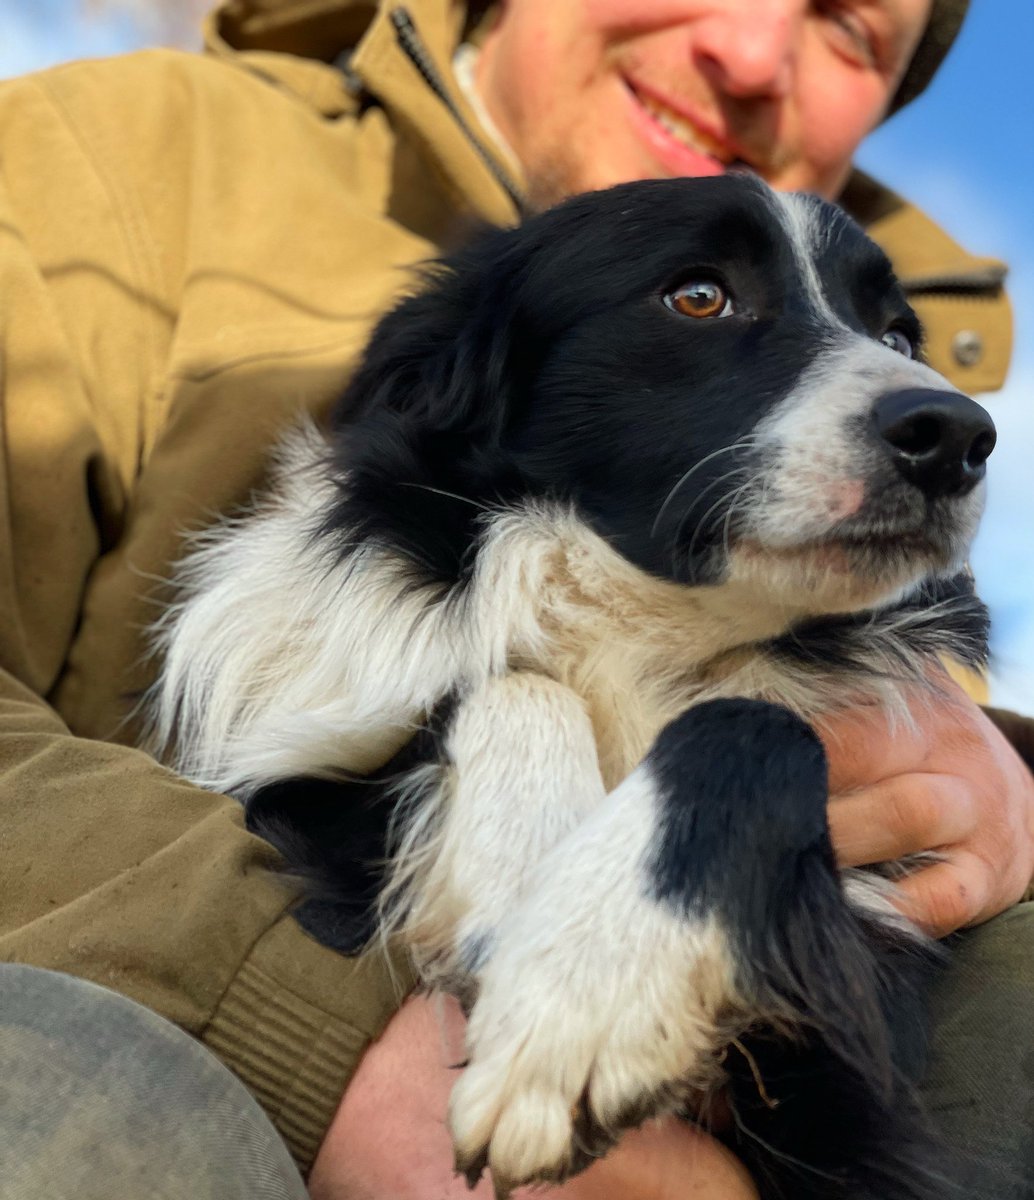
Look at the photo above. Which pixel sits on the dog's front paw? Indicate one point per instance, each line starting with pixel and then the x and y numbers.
pixel 575 1039
pixel 649 939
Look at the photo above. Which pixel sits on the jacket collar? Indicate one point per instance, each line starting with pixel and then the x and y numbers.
pixel 337 55
pixel 925 257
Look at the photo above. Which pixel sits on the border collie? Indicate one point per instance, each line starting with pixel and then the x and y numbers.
pixel 517 662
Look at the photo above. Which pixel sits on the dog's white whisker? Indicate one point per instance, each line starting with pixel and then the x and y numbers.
pixel 423 487
pixel 726 498
pixel 697 499
pixel 775 1152
pixel 743 444
pixel 731 513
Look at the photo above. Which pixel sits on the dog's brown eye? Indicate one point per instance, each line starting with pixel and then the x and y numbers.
pixel 700 298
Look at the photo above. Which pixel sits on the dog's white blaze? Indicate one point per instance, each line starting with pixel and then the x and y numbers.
pixel 649 998
pixel 815 428
pixel 799 216
pixel 812 445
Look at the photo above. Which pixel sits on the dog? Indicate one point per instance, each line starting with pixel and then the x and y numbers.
pixel 518 662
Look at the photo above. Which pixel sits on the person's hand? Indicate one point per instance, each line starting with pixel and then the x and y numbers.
pixel 952 784
pixel 388 1140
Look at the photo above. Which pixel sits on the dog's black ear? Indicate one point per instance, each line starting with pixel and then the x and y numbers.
pixel 443 359
pixel 417 439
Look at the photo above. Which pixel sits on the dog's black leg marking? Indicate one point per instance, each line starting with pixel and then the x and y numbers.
pixel 744 817
pixel 819 1112
pixel 823 1110
pixel 336 835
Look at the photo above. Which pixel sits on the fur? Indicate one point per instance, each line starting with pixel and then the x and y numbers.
pixel 517 662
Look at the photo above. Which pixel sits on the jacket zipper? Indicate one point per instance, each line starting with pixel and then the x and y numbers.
pixel 416 52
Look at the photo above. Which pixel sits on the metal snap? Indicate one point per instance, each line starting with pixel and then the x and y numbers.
pixel 967 346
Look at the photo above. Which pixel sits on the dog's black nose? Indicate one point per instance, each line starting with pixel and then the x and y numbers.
pixel 937 440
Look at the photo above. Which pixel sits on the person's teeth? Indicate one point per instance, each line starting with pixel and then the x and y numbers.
pixel 681 129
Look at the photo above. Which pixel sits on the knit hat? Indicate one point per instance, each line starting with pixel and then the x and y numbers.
pixel 946 17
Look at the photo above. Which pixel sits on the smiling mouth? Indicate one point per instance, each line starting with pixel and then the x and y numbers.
pixel 685 132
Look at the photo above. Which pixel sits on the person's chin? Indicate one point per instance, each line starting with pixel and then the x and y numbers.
pixel 561 175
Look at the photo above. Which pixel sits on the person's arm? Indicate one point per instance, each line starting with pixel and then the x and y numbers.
pixel 111 868
pixel 116 871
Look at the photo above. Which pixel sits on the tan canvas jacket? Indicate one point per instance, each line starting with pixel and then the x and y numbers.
pixel 192 250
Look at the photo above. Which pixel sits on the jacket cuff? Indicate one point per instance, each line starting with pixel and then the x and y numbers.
pixel 294 1023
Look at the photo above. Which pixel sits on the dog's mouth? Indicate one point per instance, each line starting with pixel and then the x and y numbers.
pixel 849 568
pixel 856 530
pixel 849 552
pixel 859 549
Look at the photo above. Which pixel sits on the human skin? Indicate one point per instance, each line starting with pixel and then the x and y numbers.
pixel 790 88
pixel 389 1140
pixel 949 782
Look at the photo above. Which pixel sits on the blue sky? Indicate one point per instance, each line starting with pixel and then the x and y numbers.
pixel 964 152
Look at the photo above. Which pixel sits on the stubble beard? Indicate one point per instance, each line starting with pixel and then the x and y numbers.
pixel 555 169
pixel 550 180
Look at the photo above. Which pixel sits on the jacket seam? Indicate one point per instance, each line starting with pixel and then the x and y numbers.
pixel 289 354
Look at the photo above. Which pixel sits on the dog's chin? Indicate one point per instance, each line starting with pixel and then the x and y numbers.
pixel 845 573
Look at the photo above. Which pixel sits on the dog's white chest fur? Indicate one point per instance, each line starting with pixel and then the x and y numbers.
pixel 284 663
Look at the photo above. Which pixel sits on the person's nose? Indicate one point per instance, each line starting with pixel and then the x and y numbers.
pixel 749 48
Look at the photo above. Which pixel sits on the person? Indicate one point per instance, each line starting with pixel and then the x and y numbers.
pixel 193 250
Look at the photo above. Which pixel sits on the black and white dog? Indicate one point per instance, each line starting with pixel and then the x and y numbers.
pixel 518 664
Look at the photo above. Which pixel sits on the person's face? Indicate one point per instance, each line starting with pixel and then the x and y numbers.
pixel 591 93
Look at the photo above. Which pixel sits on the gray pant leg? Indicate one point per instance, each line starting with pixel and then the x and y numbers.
pixel 980 1082
pixel 101 1099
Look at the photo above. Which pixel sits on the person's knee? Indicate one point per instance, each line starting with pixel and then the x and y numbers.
pixel 103 1097
pixel 980 1077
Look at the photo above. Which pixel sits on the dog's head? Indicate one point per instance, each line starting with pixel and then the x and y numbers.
pixel 721 381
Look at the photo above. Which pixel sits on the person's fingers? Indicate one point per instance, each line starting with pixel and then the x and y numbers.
pixel 948 895
pixel 864 747
pixel 892 797
pixel 899 816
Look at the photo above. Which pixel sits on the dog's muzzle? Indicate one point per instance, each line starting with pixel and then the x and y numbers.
pixel 938 440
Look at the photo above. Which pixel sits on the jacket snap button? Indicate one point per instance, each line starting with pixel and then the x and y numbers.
pixel 968 347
